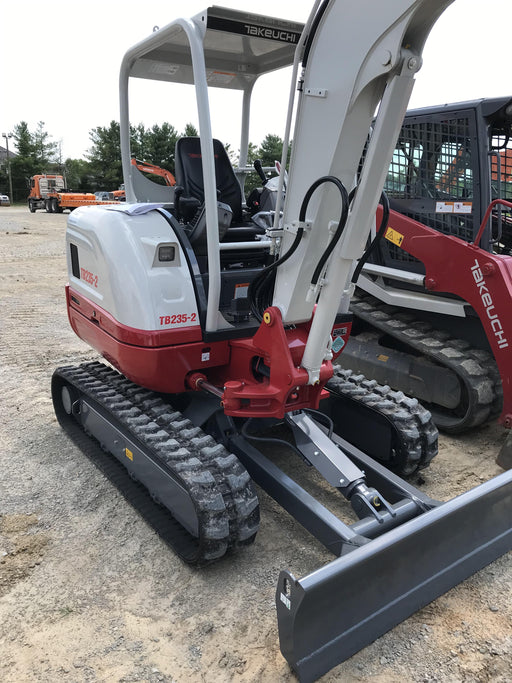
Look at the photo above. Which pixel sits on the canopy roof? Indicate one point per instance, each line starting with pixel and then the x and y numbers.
pixel 238 48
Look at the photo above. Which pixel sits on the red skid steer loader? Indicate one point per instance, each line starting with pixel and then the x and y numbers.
pixel 431 310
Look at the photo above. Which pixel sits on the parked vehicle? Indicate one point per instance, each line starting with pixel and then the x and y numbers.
pixel 443 333
pixel 48 192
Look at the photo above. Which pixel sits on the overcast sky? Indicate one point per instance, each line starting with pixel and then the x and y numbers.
pixel 59 63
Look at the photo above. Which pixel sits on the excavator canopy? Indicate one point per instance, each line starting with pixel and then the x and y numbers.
pixel 238 48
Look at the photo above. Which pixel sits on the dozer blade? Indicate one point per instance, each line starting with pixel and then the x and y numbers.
pixel 504 458
pixel 327 616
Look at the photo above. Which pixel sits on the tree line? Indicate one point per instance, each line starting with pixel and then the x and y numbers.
pixel 101 168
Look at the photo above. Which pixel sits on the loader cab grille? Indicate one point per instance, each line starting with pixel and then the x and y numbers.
pixel 431 176
pixel 440 170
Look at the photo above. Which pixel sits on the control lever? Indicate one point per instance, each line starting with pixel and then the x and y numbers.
pixel 259 170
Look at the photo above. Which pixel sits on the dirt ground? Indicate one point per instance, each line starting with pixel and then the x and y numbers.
pixel 88 592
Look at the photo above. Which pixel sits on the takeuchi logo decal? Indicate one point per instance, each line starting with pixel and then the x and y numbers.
pixel 271 33
pixel 277 31
pixel 486 297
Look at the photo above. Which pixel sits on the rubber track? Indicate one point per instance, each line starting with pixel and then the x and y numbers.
pixel 218 484
pixel 475 368
pixel 415 433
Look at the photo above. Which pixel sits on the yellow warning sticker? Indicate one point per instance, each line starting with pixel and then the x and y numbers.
pixel 394 236
pixel 383 358
pixel 128 453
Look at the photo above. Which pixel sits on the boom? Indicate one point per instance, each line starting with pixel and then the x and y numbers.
pixel 346 75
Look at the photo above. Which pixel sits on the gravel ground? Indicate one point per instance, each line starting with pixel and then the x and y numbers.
pixel 88 592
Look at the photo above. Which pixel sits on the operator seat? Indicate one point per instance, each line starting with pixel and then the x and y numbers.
pixel 189 174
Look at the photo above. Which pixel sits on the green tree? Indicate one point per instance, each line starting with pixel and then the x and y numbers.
pixel 190 131
pixel 45 150
pixel 155 145
pixel 4 179
pixel 24 164
pixel 24 140
pixel 78 176
pixel 161 145
pixel 104 157
pixel 139 142
pixel 270 149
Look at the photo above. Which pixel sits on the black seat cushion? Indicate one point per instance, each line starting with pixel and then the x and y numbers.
pixel 189 174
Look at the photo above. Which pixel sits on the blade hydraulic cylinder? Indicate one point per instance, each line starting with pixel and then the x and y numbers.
pixel 337 468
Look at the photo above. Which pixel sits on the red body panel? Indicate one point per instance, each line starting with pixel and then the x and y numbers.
pixel 131 335
pixel 158 360
pixel 482 279
pixel 167 361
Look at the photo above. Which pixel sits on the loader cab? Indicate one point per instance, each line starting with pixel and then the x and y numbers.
pixel 218 48
pixel 450 162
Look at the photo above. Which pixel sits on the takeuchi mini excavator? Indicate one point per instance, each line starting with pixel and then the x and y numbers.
pixel 221 321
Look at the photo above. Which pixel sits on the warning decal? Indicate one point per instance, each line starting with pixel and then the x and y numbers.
pixel 394 236
pixel 454 207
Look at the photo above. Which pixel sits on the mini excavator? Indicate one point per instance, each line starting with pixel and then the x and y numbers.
pixel 220 322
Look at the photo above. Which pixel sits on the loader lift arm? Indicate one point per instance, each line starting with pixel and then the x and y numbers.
pixel 213 383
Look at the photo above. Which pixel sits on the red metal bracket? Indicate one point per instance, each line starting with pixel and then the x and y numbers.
pixel 271 381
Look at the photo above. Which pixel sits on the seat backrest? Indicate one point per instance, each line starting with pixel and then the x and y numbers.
pixel 189 174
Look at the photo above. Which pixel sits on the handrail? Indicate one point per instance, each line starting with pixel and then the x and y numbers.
pixel 495 202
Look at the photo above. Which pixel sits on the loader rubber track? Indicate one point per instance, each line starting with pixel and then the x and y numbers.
pixel 415 440
pixel 476 370
pixel 222 493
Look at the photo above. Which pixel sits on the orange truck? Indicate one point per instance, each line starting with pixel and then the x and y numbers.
pixel 49 192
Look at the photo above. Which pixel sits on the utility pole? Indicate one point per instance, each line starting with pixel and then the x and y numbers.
pixel 7 136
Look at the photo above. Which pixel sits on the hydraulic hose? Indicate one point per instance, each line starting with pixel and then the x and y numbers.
pixel 345 203
pixel 380 232
pixel 261 290
pixel 314 27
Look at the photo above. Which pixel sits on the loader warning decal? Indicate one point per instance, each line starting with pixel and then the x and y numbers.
pixel 338 344
pixel 241 290
pixel 286 601
pixel 394 236
pixel 128 453
pixel 339 339
pixel 454 207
